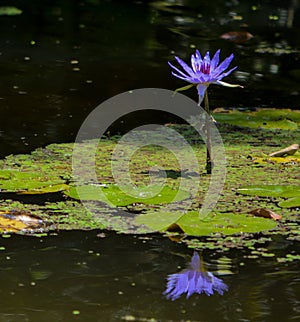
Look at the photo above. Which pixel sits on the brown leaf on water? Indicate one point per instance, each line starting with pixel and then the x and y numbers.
pixel 15 221
pixel 238 37
pixel 265 213
pixel 290 150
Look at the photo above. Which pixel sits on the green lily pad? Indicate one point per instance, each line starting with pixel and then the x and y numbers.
pixel 227 224
pixel 114 195
pixel 290 203
pixel 10 11
pixel 18 181
pixel 159 221
pixel 268 119
pixel 271 191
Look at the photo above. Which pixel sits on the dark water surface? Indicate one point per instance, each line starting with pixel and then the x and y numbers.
pixel 59 60
pixel 117 277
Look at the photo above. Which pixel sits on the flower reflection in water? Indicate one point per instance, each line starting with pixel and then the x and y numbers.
pixel 194 279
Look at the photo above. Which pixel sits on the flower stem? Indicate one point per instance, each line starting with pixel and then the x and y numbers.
pixel 208 134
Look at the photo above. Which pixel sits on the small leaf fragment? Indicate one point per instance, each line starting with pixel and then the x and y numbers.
pixel 290 150
pixel 265 213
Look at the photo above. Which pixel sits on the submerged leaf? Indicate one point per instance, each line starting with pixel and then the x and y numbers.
pixel 238 37
pixel 10 11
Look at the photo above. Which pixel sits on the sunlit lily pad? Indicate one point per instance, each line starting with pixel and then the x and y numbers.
pixel 18 181
pixel 117 197
pixel 290 203
pixel 227 224
pixel 270 191
pixel 268 119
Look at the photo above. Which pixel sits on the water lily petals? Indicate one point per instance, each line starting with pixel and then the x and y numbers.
pixel 185 66
pixel 215 60
pixel 201 88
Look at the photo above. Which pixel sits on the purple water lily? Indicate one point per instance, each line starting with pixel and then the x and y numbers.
pixel 193 280
pixel 203 72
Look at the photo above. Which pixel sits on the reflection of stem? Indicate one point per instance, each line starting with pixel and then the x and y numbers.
pixel 208 135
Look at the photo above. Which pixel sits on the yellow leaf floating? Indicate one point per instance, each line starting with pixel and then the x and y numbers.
pixel 15 221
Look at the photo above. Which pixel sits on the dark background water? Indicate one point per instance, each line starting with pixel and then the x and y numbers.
pixel 58 61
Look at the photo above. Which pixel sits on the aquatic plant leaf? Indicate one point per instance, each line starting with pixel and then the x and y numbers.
pixel 48 189
pixel 290 203
pixel 268 119
pixel 271 191
pixel 190 223
pixel 227 224
pixel 14 221
pixel 18 181
pixel 10 11
pixel 117 197
pixel 265 213
pixel 159 221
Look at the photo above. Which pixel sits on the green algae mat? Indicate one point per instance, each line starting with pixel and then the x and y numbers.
pixel 260 198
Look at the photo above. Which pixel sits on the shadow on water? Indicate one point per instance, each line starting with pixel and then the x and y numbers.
pixel 59 60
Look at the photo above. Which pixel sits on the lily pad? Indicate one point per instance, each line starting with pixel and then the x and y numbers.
pixel 271 191
pixel 10 11
pixel 290 203
pixel 227 224
pixel 18 181
pixel 267 118
pixel 114 195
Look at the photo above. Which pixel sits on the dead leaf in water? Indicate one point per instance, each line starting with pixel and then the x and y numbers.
pixel 238 37
pixel 265 213
pixel 290 150
pixel 15 221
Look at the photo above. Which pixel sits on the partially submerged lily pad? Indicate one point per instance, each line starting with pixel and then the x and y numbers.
pixel 190 224
pixel 113 195
pixel 291 192
pixel 266 118
pixel 10 11
pixel 28 182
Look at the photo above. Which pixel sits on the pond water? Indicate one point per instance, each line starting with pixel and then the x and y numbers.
pixel 59 60
pixel 80 276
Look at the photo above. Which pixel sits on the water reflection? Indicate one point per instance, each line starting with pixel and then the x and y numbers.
pixel 194 279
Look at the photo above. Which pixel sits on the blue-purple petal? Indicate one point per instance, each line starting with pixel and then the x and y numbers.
pixel 201 88
pixel 185 66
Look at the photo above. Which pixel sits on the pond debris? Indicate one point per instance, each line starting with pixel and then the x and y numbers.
pixel 265 213
pixel 290 150
pixel 238 37
pixel 20 221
